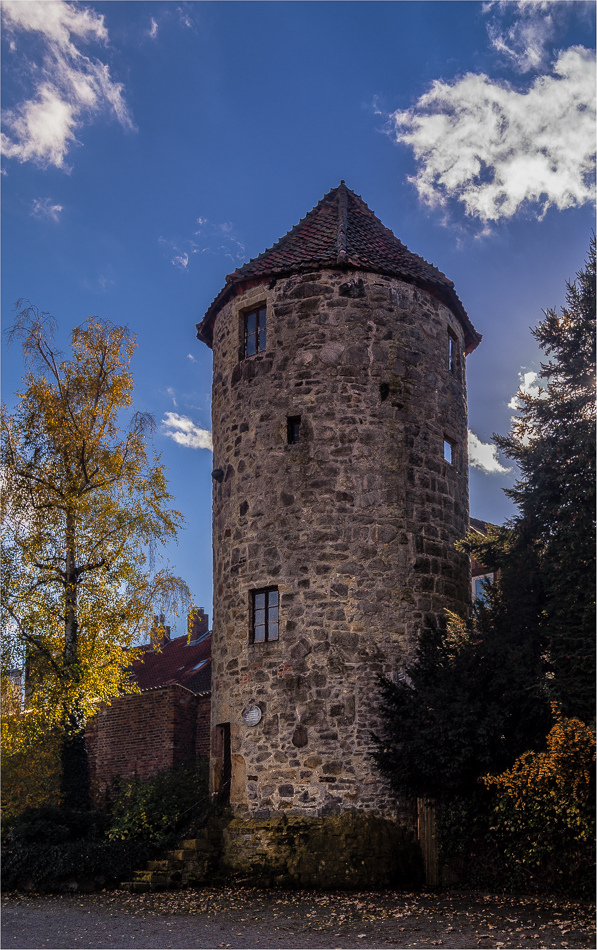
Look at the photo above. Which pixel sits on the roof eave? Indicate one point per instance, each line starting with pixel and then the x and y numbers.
pixel 237 285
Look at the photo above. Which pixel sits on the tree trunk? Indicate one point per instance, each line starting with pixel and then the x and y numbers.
pixel 75 767
pixel 74 784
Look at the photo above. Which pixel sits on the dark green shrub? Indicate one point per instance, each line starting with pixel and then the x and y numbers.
pixel 73 865
pixel 49 849
pixel 155 809
pixel 53 826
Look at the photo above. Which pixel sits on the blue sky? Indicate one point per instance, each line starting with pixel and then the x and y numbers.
pixel 149 148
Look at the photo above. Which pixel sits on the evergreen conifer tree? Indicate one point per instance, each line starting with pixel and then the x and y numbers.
pixel 479 692
pixel 553 444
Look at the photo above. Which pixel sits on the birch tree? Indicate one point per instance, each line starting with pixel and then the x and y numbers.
pixel 85 505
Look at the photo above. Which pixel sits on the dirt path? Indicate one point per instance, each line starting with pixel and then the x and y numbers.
pixel 249 918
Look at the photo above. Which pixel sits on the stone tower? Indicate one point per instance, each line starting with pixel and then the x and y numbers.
pixel 340 487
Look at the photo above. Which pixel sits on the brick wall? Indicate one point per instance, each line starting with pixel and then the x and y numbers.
pixel 143 733
pixel 203 725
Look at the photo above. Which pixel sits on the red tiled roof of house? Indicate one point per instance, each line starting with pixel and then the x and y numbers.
pixel 340 232
pixel 475 524
pixel 178 662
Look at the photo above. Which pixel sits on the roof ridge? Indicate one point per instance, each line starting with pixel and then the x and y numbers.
pixel 342 222
pixel 281 240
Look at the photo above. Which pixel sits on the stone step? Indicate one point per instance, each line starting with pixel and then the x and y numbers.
pixel 196 876
pixel 190 864
pixel 181 854
pixel 153 877
pixel 163 865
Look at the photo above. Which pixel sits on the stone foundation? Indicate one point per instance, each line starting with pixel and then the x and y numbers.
pixel 349 851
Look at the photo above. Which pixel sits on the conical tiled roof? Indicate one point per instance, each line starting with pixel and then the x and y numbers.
pixel 341 232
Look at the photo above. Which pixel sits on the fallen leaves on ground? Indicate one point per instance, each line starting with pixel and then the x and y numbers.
pixel 494 920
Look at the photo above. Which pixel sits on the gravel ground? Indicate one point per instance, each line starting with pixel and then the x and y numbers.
pixel 226 917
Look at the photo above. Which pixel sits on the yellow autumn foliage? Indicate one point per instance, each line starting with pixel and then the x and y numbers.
pixel 544 805
pixel 85 505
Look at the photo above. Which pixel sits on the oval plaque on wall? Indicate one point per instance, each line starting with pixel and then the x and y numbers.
pixel 252 715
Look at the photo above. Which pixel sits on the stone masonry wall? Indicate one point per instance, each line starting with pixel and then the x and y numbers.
pixel 143 733
pixel 355 524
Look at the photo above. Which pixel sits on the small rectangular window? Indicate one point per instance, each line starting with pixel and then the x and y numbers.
pixel 452 351
pixel 293 429
pixel 448 451
pixel 255 331
pixel 264 620
pixel 480 585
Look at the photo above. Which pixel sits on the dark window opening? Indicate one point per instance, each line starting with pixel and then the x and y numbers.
pixel 264 622
pixel 452 352
pixel 293 429
pixel 449 451
pixel 255 331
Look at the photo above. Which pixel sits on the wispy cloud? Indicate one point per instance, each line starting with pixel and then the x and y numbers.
pixel 192 358
pixel 208 238
pixel 184 16
pixel 213 238
pixel 495 150
pixel 527 387
pixel 484 455
pixel 172 395
pixel 101 283
pixel 184 431
pixel 181 260
pixel 523 31
pixel 68 88
pixel 44 208
pixel 153 29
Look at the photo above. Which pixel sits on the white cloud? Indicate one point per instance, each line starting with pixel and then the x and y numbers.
pixel 495 150
pixel 153 29
pixel 525 42
pixel 212 235
pixel 181 260
pixel 43 208
pixel 527 387
pixel 172 395
pixel 184 431
pixel 68 87
pixel 484 455
pixel 184 17
pixel 192 358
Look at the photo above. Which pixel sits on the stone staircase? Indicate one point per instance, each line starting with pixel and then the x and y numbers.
pixel 195 862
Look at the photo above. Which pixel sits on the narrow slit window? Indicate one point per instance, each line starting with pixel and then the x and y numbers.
pixel 452 352
pixel 265 621
pixel 448 451
pixel 293 429
pixel 255 331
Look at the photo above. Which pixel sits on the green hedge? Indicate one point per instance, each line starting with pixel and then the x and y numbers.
pixel 48 849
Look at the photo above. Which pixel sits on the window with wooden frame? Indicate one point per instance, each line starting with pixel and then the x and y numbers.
pixel 255 331
pixel 480 585
pixel 264 615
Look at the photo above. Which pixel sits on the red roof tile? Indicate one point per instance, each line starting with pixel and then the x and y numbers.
pixel 340 232
pixel 177 662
